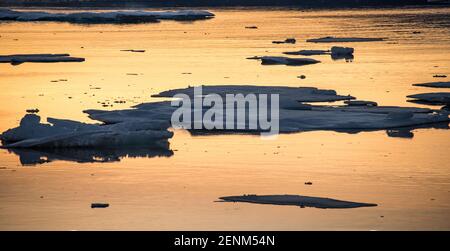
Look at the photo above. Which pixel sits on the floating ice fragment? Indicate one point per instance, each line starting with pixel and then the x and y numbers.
pixel 343 39
pixel 268 60
pixel 432 97
pixel 17 59
pixel 360 103
pixel 308 52
pixel 435 84
pixel 336 50
pixel 297 200
pixel 66 133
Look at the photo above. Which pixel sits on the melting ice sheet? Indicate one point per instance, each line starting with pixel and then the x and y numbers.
pixel 92 17
pixel 146 125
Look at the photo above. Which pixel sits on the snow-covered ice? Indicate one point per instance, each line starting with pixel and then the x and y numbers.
pixel 139 16
pixel 296 200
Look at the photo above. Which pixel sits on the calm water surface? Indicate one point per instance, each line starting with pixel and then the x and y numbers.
pixel 408 178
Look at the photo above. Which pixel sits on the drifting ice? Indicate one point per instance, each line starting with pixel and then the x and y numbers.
pixel 297 200
pixel 147 124
pixel 105 17
pixel 17 59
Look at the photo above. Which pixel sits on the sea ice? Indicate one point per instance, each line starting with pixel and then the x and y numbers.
pixel 308 52
pixel 67 133
pixel 105 17
pixel 17 59
pixel 360 103
pixel 146 124
pixel 435 84
pixel 336 50
pixel 270 60
pixel 297 200
pixel 432 97
pixel 343 39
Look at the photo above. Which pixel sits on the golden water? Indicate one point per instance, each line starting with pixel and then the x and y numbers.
pixel 409 179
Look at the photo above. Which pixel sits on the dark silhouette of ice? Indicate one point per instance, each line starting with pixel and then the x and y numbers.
pixel 297 200
pixel 17 59
pixel 93 17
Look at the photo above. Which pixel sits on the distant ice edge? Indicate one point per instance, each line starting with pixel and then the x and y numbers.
pixel 92 17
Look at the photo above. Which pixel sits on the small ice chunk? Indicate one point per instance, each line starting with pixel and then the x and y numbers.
pixel 286 41
pixel 99 205
pixel 336 50
pixel 360 103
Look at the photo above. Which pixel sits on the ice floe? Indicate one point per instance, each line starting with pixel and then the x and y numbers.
pixel 308 52
pixel 147 124
pixel 105 17
pixel 431 98
pixel 343 39
pixel 360 103
pixel 435 84
pixel 17 59
pixel 297 200
pixel 294 114
pixel 286 41
pixel 67 133
pixel 336 52
pixel 269 60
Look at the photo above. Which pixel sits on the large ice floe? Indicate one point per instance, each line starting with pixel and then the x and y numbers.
pixel 437 98
pixel 296 200
pixel 146 125
pixel 434 84
pixel 272 60
pixel 335 52
pixel 93 17
pixel 67 133
pixel 343 39
pixel 17 59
